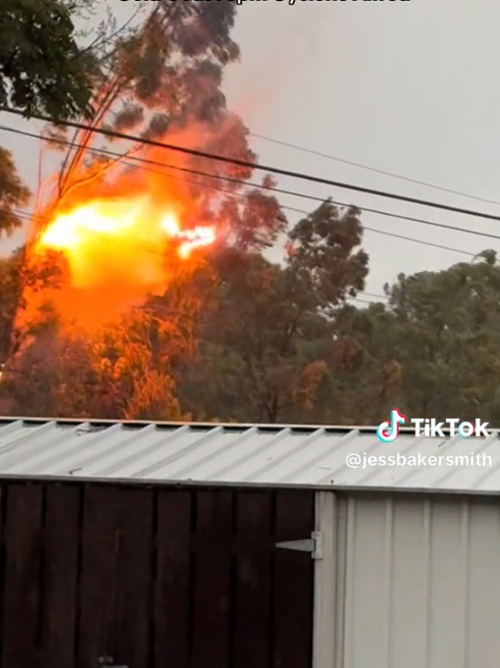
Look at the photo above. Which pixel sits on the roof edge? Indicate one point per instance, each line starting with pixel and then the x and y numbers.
pixel 230 426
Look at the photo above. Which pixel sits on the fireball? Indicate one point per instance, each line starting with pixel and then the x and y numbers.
pixel 117 250
pixel 121 238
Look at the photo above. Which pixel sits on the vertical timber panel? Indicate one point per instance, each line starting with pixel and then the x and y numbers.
pixel 293 582
pixel 98 585
pixel 130 644
pixel 60 575
pixel 173 583
pixel 252 609
pixel 212 573
pixel 22 596
pixel 115 580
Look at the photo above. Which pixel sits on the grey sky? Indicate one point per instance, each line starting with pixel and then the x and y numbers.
pixel 406 87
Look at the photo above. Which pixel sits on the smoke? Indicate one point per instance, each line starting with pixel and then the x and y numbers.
pixel 275 60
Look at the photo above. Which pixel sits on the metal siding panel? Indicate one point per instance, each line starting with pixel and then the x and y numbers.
pixel 421 583
pixel 446 586
pixel 325 592
pixel 483 647
pixel 341 566
pixel 410 585
pixel 366 586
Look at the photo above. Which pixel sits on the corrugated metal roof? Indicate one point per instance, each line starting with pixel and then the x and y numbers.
pixel 241 454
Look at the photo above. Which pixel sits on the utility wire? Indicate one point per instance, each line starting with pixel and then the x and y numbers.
pixel 403 237
pixel 374 169
pixel 363 301
pixel 250 165
pixel 374 295
pixel 143 163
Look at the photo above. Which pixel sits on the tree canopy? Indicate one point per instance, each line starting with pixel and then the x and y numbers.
pixel 14 194
pixel 233 336
pixel 42 69
pixel 253 341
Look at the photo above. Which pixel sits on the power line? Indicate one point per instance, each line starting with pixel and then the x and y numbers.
pixel 403 237
pixel 374 169
pixel 363 301
pixel 141 163
pixel 264 168
pixel 138 162
pixel 374 295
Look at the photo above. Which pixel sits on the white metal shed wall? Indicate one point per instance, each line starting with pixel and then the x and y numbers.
pixel 415 582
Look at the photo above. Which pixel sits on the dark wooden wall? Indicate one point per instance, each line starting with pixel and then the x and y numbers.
pixel 154 578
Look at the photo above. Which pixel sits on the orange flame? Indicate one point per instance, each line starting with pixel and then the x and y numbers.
pixel 115 250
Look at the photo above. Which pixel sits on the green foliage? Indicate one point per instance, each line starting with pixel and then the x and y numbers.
pixel 447 328
pixel 13 194
pixel 42 70
pixel 270 337
pixel 247 340
pixel 433 349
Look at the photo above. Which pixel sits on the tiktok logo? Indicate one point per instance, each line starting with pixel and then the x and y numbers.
pixel 388 431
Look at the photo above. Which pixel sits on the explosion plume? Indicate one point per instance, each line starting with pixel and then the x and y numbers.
pixel 118 250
